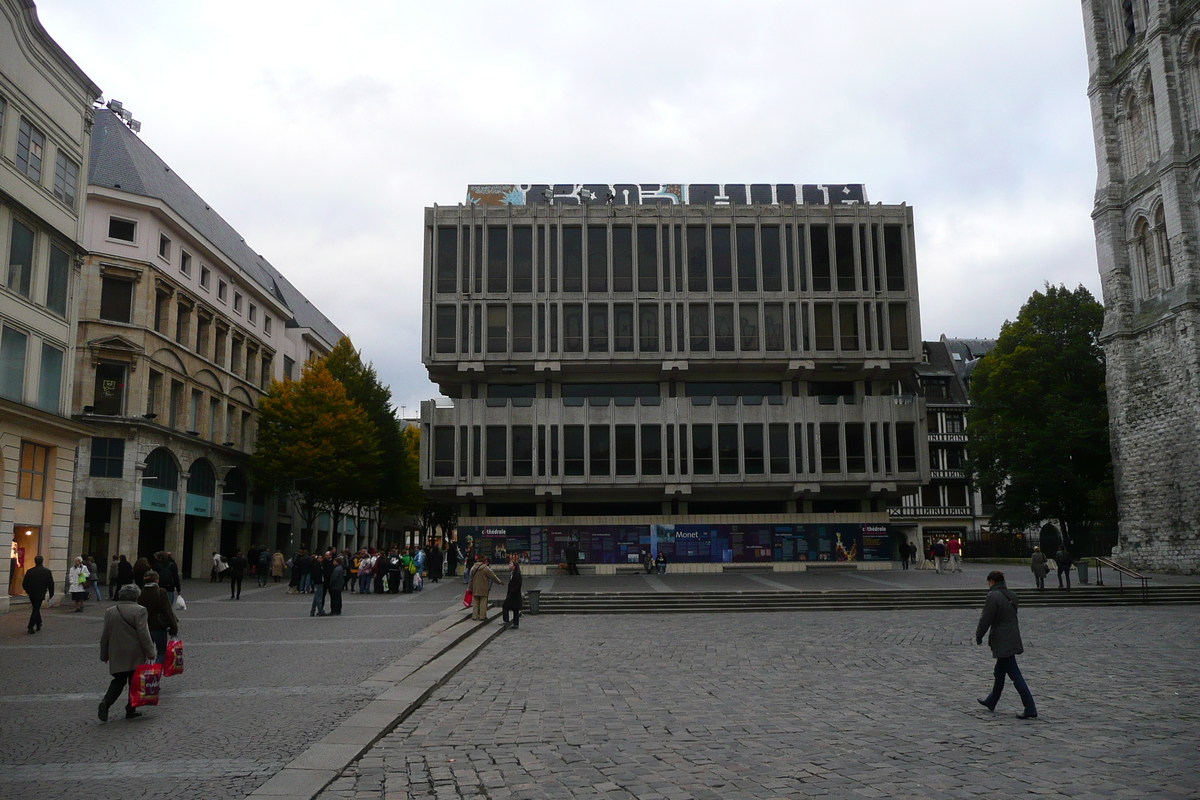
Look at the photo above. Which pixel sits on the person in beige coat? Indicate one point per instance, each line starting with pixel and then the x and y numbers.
pixel 277 564
pixel 481 580
pixel 125 644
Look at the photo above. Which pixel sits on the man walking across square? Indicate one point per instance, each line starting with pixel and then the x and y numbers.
pixel 1000 617
pixel 954 550
pixel 38 582
pixel 237 570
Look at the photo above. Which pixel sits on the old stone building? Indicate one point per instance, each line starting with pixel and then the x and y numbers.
pixel 45 128
pixel 704 371
pixel 1144 63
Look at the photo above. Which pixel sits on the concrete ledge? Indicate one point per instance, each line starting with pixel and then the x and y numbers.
pixel 451 643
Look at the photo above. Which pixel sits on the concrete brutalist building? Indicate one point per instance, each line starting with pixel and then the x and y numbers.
pixel 1144 60
pixel 709 371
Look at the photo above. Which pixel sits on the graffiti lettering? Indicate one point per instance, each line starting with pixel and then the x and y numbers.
pixel 627 194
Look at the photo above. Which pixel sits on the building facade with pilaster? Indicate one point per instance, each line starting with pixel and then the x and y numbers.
pixel 45 126
pixel 706 371
pixel 182 327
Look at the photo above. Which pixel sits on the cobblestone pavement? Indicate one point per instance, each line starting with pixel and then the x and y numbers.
pixel 798 705
pixel 262 681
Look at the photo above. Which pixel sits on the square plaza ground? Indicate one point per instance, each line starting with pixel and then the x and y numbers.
pixel 837 704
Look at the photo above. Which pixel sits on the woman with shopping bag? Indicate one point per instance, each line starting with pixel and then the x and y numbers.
pixel 125 644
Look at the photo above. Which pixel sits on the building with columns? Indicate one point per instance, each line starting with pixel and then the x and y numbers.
pixel 45 127
pixel 182 327
pixel 708 371
pixel 1144 65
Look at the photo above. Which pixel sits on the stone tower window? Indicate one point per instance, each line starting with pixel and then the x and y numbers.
pixel 1162 250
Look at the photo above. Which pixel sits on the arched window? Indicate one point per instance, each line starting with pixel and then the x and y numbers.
pixel 161 471
pixel 235 486
pixel 1150 120
pixel 201 479
pixel 1136 157
pixel 1162 251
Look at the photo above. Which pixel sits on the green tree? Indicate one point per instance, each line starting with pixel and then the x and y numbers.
pixel 1039 416
pixel 315 442
pixel 395 486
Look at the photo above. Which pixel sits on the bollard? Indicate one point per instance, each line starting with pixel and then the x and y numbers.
pixel 534 597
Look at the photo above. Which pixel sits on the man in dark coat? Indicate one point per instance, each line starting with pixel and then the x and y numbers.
pixel 512 599
pixel 1064 560
pixel 316 571
pixel 451 559
pixel 1000 616
pixel 572 556
pixel 124 572
pixel 237 571
pixel 433 563
pixel 160 617
pixel 38 583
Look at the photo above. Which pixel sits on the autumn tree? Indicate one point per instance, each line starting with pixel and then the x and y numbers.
pixel 1039 416
pixel 316 442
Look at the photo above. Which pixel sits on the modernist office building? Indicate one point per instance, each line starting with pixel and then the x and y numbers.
pixel 1144 61
pixel 45 127
pixel 182 327
pixel 713 371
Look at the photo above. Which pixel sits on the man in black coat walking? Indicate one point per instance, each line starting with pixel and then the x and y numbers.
pixel 572 557
pixel 237 571
pixel 37 584
pixel 1000 616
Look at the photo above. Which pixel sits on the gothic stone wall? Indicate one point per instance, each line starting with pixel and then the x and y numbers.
pixel 1154 402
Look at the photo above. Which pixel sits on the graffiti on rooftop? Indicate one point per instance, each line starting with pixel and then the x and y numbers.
pixel 626 194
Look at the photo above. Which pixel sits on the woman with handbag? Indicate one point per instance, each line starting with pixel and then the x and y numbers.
pixel 125 644
pixel 77 578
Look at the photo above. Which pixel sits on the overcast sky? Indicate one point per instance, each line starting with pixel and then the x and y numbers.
pixel 321 130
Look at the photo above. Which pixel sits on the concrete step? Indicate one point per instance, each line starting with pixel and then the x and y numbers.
pixel 717 602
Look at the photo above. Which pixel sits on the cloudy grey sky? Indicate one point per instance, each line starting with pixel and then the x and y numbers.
pixel 321 130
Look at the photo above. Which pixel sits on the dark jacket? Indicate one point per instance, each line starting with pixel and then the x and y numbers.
pixel 337 577
pixel 159 614
pixel 1000 615
pixel 316 570
pixel 168 576
pixel 1063 559
pixel 512 600
pixel 572 554
pixel 237 567
pixel 38 582
pixel 124 572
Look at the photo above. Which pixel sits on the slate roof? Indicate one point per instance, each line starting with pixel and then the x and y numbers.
pixel 121 160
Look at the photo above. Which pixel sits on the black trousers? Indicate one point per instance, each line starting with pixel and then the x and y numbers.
pixel 119 681
pixel 1061 572
pixel 35 613
pixel 235 586
pixel 572 568
pixel 516 612
pixel 335 601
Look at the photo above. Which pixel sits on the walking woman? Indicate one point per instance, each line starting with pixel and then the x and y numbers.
pixel 77 577
pixel 512 600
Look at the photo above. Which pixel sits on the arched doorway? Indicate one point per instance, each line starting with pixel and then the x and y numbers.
pixel 233 511
pixel 198 512
pixel 160 482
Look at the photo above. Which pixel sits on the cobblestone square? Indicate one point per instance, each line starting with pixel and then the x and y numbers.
pixel 839 705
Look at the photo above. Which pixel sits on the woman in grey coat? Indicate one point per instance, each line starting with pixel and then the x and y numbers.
pixel 1038 564
pixel 1000 616
pixel 125 644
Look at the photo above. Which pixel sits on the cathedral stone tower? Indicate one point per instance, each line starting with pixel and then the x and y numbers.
pixel 1144 65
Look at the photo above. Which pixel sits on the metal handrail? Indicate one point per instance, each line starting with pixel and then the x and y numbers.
pixel 1121 571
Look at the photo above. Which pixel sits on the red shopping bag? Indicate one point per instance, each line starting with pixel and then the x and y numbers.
pixel 173 661
pixel 143 687
pixel 467 599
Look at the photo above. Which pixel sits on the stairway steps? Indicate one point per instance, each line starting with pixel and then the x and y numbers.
pixel 752 601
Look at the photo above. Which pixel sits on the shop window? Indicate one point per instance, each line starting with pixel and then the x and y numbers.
pixel 162 473
pixel 116 300
pixel 108 457
pixel 31 476
pixel 109 395
pixel 202 480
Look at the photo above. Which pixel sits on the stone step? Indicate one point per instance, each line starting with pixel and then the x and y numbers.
pixel 709 602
